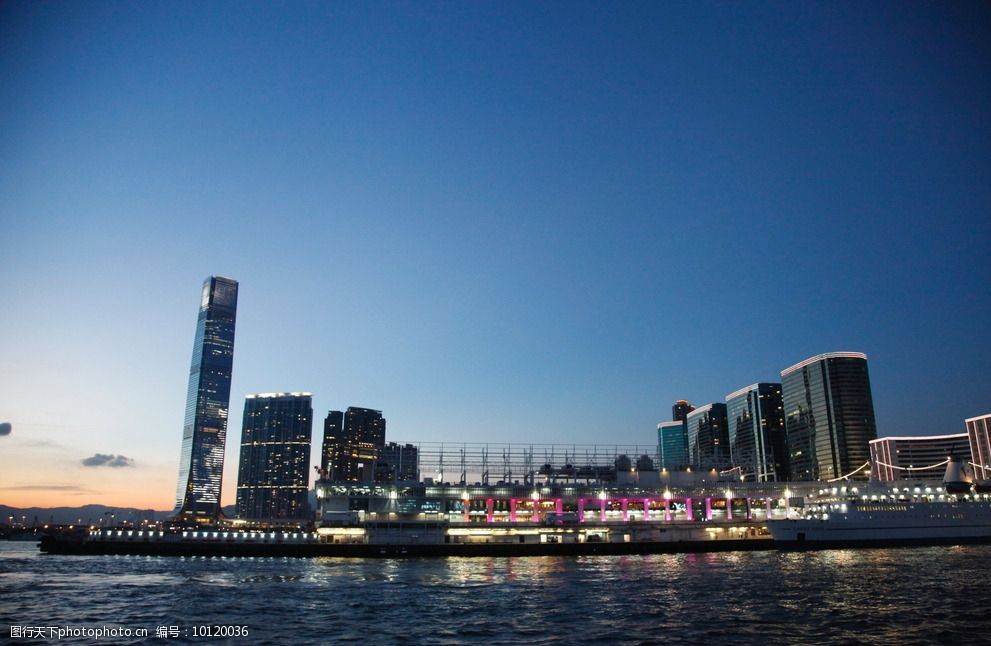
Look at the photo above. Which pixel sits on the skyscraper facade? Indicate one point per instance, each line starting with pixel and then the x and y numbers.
pixel 708 441
pixel 333 443
pixel 672 445
pixel 681 409
pixel 274 470
pixel 204 433
pixel 755 415
pixel 398 463
pixel 829 416
pixel 354 451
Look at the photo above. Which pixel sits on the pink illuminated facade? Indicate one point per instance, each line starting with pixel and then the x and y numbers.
pixel 916 458
pixel 979 437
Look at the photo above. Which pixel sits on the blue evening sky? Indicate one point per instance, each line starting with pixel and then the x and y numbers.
pixel 503 222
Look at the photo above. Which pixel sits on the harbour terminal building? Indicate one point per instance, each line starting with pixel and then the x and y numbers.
pixel 482 492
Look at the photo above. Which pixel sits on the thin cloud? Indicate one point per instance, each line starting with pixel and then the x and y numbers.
pixel 40 444
pixel 66 488
pixel 107 460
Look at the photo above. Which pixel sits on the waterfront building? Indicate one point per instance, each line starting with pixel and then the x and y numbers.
pixel 274 471
pixel 354 451
pixel 829 416
pixel 333 443
pixel 708 440
pixel 755 415
pixel 918 457
pixel 204 433
pixel 680 410
pixel 513 506
pixel 979 437
pixel 672 444
pixel 398 463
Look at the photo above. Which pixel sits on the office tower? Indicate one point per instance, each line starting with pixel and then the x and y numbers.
pixel 364 433
pixel 274 471
pixel 354 451
pixel 979 436
pixel 398 463
pixel 917 457
pixel 829 416
pixel 333 443
pixel 201 462
pixel 755 415
pixel 672 443
pixel 680 410
pixel 708 441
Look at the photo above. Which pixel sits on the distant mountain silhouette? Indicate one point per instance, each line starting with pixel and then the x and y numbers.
pixel 86 515
pixel 92 514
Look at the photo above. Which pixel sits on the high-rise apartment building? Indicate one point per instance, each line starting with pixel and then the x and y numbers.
pixel 708 441
pixel 755 415
pixel 352 453
pixel 204 433
pixel 829 416
pixel 681 409
pixel 672 444
pixel 274 470
pixel 398 463
pixel 333 443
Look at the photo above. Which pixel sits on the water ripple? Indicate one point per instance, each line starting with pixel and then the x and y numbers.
pixel 905 596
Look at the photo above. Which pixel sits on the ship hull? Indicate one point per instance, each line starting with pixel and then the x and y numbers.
pixel 812 535
pixel 369 550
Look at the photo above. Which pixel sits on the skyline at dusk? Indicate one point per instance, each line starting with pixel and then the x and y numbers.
pixel 506 224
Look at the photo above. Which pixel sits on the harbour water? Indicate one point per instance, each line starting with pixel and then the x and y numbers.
pixel 890 596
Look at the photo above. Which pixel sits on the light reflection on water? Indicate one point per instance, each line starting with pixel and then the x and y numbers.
pixel 903 596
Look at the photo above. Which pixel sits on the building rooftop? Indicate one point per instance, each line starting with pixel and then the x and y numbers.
pixel 820 357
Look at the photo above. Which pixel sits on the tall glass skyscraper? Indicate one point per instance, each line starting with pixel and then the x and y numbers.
pixel 672 444
pixel 708 441
pixel 755 415
pixel 274 471
pixel 333 446
pixel 201 462
pixel 829 416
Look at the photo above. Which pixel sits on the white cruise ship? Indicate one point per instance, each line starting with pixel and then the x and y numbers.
pixel 852 516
